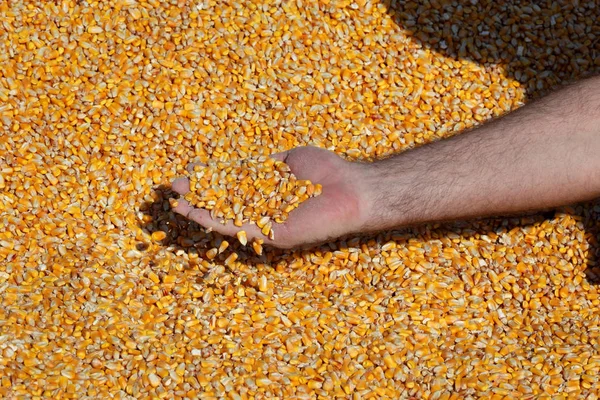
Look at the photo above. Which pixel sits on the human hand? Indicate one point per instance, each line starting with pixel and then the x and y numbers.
pixel 338 211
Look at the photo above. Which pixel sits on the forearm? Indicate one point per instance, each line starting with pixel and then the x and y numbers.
pixel 543 155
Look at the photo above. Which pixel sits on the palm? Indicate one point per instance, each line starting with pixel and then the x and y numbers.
pixel 328 215
pixel 333 213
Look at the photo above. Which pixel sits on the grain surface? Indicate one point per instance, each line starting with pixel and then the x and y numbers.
pixel 105 293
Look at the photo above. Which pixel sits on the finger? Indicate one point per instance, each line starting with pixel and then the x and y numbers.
pixel 181 185
pixel 281 156
pixel 202 217
pixel 183 207
pixel 198 215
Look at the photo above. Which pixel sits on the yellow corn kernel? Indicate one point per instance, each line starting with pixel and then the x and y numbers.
pixel 257 246
pixel 158 236
pixel 223 246
pixel 241 236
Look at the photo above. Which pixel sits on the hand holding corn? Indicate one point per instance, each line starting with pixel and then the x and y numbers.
pixel 543 155
pixel 332 213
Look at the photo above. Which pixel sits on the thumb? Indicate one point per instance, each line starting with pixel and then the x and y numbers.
pixel 281 156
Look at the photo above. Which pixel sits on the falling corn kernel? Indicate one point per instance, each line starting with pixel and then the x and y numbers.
pixel 212 253
pixel 231 259
pixel 257 246
pixel 241 236
pixel 223 246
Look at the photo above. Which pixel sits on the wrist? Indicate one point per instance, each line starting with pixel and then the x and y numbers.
pixel 363 178
pixel 390 193
pixel 372 188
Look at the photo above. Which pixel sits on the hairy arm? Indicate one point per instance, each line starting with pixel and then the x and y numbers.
pixel 543 155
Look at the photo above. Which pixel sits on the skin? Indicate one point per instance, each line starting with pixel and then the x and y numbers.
pixel 337 211
pixel 544 155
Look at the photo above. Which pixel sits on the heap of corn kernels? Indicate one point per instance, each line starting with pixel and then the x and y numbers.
pixel 261 191
pixel 105 293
